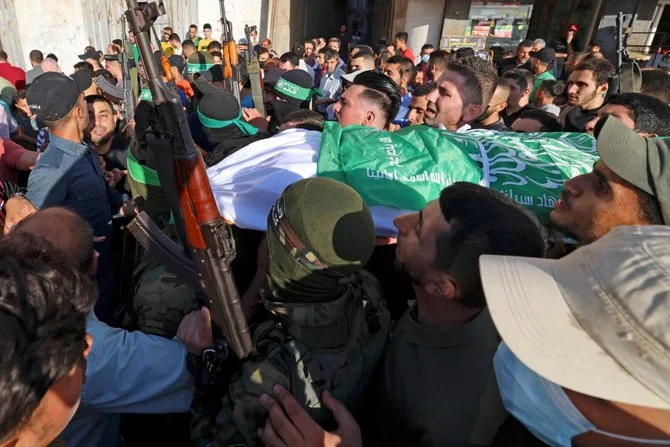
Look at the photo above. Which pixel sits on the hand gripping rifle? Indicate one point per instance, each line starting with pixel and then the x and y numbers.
pixel 207 235
pixel 231 75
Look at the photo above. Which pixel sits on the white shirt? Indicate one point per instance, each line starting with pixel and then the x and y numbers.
pixel 304 67
pixel 330 86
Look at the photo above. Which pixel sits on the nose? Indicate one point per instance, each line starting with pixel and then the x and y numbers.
pixel 572 89
pixel 573 186
pixel 432 96
pixel 406 222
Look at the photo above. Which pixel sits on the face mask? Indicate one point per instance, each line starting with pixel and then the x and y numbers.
pixel 425 58
pixel 542 406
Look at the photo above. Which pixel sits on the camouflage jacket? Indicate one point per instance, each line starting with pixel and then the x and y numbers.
pixel 307 348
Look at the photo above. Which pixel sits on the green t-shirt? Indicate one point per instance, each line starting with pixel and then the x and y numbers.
pixel 538 80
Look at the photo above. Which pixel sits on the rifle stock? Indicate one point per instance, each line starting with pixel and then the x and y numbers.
pixel 207 235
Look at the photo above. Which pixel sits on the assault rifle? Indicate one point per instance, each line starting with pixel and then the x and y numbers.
pixel 628 77
pixel 125 94
pixel 231 76
pixel 208 237
pixel 254 72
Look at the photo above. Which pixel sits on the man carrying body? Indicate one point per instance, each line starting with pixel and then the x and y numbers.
pixel 521 84
pixel 586 89
pixel 69 174
pixel 372 100
pixel 401 69
pixel 520 59
pixel 363 60
pixel 419 103
pixel 644 114
pixel 540 64
pixel 490 119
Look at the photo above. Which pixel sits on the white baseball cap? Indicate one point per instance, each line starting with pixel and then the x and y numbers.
pixel 597 321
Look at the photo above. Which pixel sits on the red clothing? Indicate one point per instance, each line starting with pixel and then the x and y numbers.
pixel 13 74
pixel 408 54
pixel 10 159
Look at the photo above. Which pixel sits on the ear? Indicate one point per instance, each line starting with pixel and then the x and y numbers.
pixel 441 285
pixel 604 88
pixel 502 106
pixel 472 112
pixel 89 345
pixel 370 117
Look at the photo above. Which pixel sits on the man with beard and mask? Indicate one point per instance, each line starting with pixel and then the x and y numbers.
pixel 111 146
pixel 220 115
pixel 491 119
pixel 325 323
pixel 439 360
pixel 292 91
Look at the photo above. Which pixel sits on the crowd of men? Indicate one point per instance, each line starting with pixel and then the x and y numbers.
pixel 476 325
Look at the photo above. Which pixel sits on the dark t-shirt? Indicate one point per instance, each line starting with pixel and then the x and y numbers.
pixel 577 118
pixel 117 158
pixel 509 119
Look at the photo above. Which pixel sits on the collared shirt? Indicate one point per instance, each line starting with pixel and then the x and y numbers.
pixel 435 379
pixel 305 67
pixel 330 86
pixel 68 174
pixel 127 372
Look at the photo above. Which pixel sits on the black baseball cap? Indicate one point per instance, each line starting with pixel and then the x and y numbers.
pixel 51 96
pixel 90 54
pixel 177 61
pixel 545 55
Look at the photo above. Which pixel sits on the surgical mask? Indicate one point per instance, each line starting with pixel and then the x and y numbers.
pixel 425 58
pixel 542 406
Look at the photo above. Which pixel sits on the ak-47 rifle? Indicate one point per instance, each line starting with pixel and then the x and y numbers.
pixel 125 93
pixel 207 235
pixel 231 75
pixel 254 72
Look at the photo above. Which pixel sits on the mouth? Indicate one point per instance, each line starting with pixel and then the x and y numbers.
pixel 98 132
pixel 573 98
pixel 430 112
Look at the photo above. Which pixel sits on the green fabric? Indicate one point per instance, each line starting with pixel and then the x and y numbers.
pixel 335 227
pixel 141 173
pixel 197 68
pixel 136 52
pixel 407 169
pixel 145 94
pixel 538 80
pixel 212 123
pixel 295 91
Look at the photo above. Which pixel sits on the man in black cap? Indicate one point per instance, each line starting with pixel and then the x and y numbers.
pixel 541 63
pixel 68 173
pixel 92 57
pixel 293 90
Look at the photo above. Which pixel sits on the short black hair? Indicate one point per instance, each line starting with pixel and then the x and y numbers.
pixel 44 303
pixel 290 57
pixel 118 42
pixel 602 69
pixel 424 89
pixel 483 222
pixel 595 43
pixel 188 43
pixel 364 48
pixel 548 122
pixel 207 26
pixel 174 37
pixel 381 90
pixel 52 56
pixel 299 49
pixel 471 89
pixel 214 45
pixel 486 74
pixel 406 65
pixel 649 114
pixel 368 57
pixel 440 58
pixel 427 47
pixel 106 74
pixel 465 53
pixel 656 83
pixel 402 35
pixel 305 119
pixel 523 78
pixel 83 65
pixel 527 43
pixel 335 39
pixel 92 99
pixel 552 88
pixel 3 55
pixel 331 54
pixel 193 25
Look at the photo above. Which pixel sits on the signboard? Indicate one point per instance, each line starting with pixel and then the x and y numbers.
pixel 455 42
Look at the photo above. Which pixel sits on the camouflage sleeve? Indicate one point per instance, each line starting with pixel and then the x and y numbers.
pixel 161 301
pixel 242 414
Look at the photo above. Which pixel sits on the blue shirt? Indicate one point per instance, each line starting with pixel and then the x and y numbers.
pixel 403 113
pixel 127 372
pixel 68 174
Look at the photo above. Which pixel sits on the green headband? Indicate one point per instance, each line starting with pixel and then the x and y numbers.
pixel 197 68
pixel 295 91
pixel 212 123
